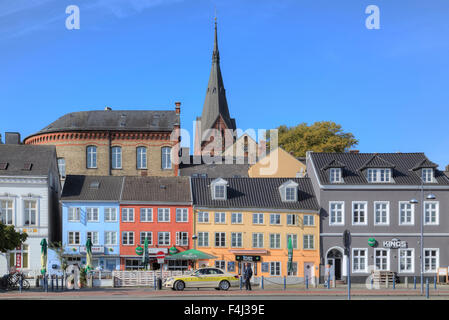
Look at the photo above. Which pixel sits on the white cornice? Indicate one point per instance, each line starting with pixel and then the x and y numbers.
pixel 28 179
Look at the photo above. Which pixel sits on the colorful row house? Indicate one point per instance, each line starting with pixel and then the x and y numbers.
pixel 250 220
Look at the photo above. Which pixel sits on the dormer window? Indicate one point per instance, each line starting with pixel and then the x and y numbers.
pixel 218 189
pixel 427 175
pixel 379 175
pixel 289 191
pixel 335 175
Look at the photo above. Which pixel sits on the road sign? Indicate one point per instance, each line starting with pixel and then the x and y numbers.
pixel 160 257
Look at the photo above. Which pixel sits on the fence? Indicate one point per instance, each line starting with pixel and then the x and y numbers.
pixel 140 278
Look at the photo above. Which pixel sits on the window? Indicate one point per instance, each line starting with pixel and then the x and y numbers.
pixel 219 192
pixel 93 236
pixel 74 214
pixel 116 157
pixel 427 175
pixel 292 220
pixel 128 238
pixel 182 239
pixel 275 241
pixel 236 218
pixel 203 217
pixel 431 212
pixel 220 239
pixel 294 271
pixel 61 167
pixel 220 217
pixel 110 238
pixel 146 235
pixel 141 160
pixel 236 240
pixel 127 214
pixel 381 213
pixel 290 194
pixel 19 257
pixel 257 218
pixel 182 215
pixel 221 264
pixel 92 214
pixel 379 175
pixel 74 238
pixel 359 213
pixel 146 214
pixel 166 158
pixel 406 213
pixel 335 175
pixel 406 260
pixel 431 260
pixel 381 259
pixel 308 242
pixel 163 215
pixel 30 212
pixel 275 218
pixel 6 211
pixel 258 240
pixel 91 154
pixel 359 260
pixel 294 238
pixel 203 239
pixel 336 213
pixel 275 268
pixel 309 220
pixel 110 214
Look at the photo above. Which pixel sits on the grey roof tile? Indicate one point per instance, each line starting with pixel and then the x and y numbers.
pixel 83 188
pixel 15 158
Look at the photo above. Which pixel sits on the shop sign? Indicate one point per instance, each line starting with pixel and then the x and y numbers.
pixel 18 260
pixel 95 249
pixel 395 244
pixel 247 258
pixel 372 242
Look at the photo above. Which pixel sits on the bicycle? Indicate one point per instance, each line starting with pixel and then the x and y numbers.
pixel 12 281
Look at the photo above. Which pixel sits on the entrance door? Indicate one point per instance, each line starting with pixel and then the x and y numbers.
pixel 308 271
pixel 337 269
pixel 334 260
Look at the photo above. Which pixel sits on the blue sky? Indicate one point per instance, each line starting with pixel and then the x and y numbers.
pixel 283 62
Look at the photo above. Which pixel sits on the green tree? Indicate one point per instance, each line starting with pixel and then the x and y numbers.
pixel 10 239
pixel 324 136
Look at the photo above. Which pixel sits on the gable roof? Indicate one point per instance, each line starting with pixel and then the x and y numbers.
pixel 26 160
pixel 116 120
pixel 157 189
pixel 334 164
pixel 401 164
pixel 426 163
pixel 255 193
pixel 82 188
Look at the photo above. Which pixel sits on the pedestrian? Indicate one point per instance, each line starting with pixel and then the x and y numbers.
pixel 248 273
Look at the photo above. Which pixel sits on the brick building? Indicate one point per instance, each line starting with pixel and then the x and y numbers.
pixel 114 142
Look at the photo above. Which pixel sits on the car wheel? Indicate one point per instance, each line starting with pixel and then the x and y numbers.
pixel 224 285
pixel 179 285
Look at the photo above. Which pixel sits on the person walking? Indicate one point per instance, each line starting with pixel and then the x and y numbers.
pixel 247 275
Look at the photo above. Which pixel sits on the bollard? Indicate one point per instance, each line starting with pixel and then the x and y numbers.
pixel 307 282
pixel 154 278
pixel 372 283
pixel 46 282
pixel 334 283
pixel 262 283
pixel 241 284
pixel 328 282
pixel 20 285
pixel 387 282
pixel 427 288
pixel 406 282
pixel 285 283
pixel 414 282
pixel 57 283
pixel 52 285
pixel 435 282
pixel 394 283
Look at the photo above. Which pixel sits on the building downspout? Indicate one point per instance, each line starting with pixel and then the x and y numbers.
pixel 110 152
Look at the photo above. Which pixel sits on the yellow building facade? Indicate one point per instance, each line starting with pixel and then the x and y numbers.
pixel 278 163
pixel 259 237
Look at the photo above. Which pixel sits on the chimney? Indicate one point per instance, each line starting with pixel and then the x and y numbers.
pixel 1 141
pixel 178 107
pixel 12 138
pixel 447 168
pixel 354 151
pixel 107 108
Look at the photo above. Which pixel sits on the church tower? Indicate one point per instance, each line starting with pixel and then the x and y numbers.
pixel 215 110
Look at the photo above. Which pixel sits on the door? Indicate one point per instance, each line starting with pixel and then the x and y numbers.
pixel 308 271
pixel 337 269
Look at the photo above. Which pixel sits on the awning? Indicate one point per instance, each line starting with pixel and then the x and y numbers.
pixel 190 254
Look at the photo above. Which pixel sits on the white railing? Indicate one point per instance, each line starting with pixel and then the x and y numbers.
pixel 140 278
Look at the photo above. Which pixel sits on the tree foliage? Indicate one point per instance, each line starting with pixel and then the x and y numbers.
pixel 324 136
pixel 10 238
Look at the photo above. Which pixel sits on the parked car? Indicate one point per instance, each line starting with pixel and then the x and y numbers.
pixel 203 278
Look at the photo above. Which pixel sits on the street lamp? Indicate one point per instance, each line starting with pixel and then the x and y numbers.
pixel 430 196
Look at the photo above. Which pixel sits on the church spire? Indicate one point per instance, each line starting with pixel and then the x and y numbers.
pixel 215 53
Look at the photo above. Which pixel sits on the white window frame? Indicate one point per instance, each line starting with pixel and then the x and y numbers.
pixel 310 217
pixel 437 264
pixel 388 259
pixel 164 238
pixel 91 213
pixel 111 210
pixel 91 157
pixel 219 217
pixel 203 239
pixel 412 258
pixel 128 233
pixel 292 216
pixel 182 238
pixel 128 211
pixel 236 216
pixel 412 223
pixel 258 238
pixel 95 243
pixel 220 264
pixel 256 216
pixel 236 239
pixel 220 234
pixel 77 212
pixel 427 175
pixel 147 214
pixel 271 219
pixel 162 212
pixel 182 215
pixel 221 193
pixel 335 175
pixel 359 270
pixel 106 243
pixel 342 223
pixel 294 237
pixel 30 211
pixel 141 157
pixel 116 157
pixel 62 167
pixel 307 241
pixel 387 223
pixel 374 175
pixel 437 213
pixel 276 239
pixel 142 239
pixel 74 238
pixel 166 163
pixel 275 266
pixel 8 211
pixel 365 204
pixel 203 217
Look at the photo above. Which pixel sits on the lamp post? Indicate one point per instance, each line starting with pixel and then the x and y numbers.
pixel 194 237
pixel 430 196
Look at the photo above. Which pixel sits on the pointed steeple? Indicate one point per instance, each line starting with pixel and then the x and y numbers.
pixel 215 104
